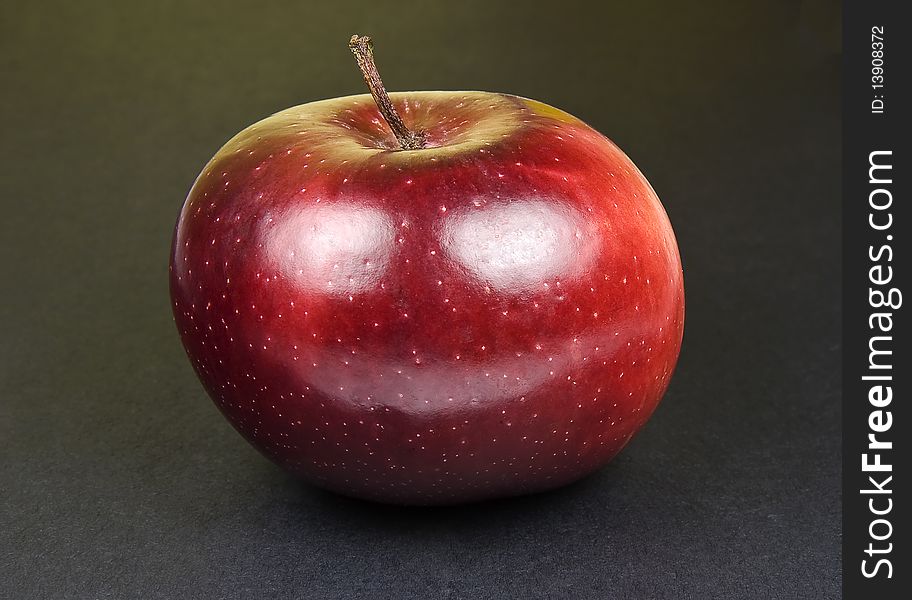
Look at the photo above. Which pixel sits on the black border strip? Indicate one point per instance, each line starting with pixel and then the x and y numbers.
pixel 876 266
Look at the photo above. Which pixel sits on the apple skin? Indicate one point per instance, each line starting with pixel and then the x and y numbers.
pixel 493 315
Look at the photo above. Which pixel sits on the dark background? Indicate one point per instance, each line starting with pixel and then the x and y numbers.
pixel 118 477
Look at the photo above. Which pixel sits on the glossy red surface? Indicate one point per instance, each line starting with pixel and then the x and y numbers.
pixel 494 316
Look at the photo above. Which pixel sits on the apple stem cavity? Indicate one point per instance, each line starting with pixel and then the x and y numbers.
pixel 363 49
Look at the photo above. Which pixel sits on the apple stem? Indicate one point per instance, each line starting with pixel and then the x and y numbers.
pixel 363 49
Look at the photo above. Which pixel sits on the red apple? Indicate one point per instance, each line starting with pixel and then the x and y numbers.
pixel 482 299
